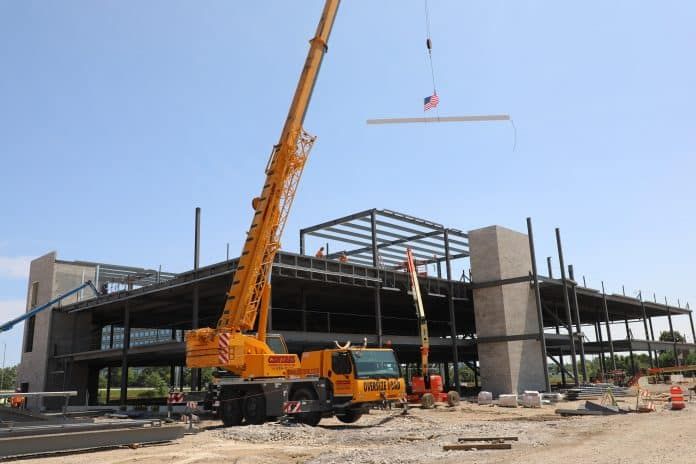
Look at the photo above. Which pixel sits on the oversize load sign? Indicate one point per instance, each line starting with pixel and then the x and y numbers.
pixel 382 385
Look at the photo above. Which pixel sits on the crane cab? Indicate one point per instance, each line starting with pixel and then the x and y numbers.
pixel 358 376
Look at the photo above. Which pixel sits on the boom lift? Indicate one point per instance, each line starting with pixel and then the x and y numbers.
pixel 257 377
pixel 9 324
pixel 426 388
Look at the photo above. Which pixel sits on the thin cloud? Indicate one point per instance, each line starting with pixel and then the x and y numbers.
pixel 14 267
pixel 9 309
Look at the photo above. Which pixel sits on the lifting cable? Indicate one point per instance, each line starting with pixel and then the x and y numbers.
pixel 429 47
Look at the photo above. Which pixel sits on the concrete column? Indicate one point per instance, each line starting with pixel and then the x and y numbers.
pixel 505 310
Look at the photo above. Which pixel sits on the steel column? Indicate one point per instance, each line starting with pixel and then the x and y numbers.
pixel 566 302
pixel 303 307
pixel 598 336
pixel 671 332
pixel 108 385
pixel 629 336
pixel 560 358
pixel 108 369
pixel 645 327
pixel 453 321
pixel 375 263
pixel 548 266
pixel 571 273
pixel 652 337
pixel 606 321
pixel 693 332
pixel 537 300
pixel 196 373
pixel 124 356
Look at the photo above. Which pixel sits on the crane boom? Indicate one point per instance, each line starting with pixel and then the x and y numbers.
pixel 248 295
pixel 272 206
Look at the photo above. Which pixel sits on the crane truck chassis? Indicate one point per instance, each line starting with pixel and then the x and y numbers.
pixel 344 382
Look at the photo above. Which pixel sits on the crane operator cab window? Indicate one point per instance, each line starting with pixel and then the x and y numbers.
pixel 340 363
pixel 276 343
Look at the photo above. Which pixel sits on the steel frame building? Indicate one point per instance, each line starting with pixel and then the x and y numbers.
pixel 316 300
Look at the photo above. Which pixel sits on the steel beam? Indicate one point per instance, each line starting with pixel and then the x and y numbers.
pixel 59 439
pixel 490 117
pixel 366 214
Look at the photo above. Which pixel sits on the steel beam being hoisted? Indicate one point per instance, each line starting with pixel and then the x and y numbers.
pixel 480 118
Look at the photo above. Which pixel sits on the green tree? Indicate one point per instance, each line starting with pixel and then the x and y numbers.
pixel 8 378
pixel 666 336
pixel 154 380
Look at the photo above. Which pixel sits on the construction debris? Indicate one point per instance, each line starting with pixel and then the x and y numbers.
pixel 592 409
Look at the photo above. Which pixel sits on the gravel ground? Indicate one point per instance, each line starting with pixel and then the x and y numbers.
pixel 387 437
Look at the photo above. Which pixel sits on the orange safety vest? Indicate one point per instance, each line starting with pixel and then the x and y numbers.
pixel 17 401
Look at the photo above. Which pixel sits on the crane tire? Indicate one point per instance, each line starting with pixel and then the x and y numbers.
pixel 349 417
pixel 230 410
pixel 453 398
pixel 254 407
pixel 427 401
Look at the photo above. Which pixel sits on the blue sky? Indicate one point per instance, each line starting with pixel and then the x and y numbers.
pixel 118 118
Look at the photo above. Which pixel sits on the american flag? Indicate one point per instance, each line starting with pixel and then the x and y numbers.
pixel 430 102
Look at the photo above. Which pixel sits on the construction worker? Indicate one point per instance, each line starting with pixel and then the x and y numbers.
pixel 343 258
pixel 17 401
pixel 320 253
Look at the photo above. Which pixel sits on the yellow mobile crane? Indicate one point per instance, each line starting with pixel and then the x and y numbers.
pixel 255 380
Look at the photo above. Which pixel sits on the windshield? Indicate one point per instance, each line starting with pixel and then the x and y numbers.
pixel 374 364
